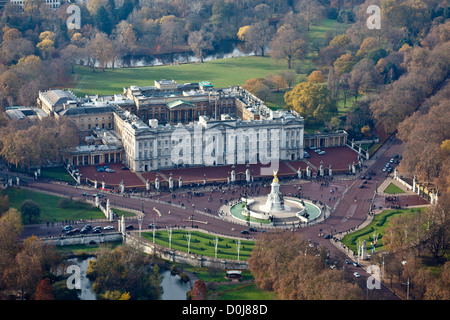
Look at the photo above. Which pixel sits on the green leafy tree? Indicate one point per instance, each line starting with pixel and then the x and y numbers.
pixel 30 211
pixel 103 21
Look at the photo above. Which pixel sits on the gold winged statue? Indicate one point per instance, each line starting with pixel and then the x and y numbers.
pixel 275 178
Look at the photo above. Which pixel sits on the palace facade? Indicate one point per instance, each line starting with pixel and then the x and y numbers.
pixel 193 124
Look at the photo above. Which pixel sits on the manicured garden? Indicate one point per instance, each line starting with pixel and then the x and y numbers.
pixel 221 73
pixel 377 226
pixel 51 206
pixel 393 189
pixel 56 173
pixel 202 244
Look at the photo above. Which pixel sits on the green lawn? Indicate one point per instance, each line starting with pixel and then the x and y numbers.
pixel 56 173
pixel 241 291
pixel 378 225
pixel 50 210
pixel 393 189
pixel 221 73
pixel 202 244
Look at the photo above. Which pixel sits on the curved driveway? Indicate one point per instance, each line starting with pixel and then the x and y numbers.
pixel 350 211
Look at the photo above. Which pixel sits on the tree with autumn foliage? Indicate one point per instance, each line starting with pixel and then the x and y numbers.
pixel 312 101
pixel 316 77
pixel 44 290
pixel 198 292
pixel 285 263
pixel 288 44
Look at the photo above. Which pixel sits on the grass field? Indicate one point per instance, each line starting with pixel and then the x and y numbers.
pixel 378 225
pixel 393 189
pixel 50 210
pixel 241 291
pixel 56 173
pixel 202 244
pixel 221 73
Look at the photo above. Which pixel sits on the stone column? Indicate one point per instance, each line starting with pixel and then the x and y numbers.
pixel 247 175
pixel 321 172
pixel 95 184
pixel 147 185
pixel 364 250
pixel 103 185
pixel 157 183
pixel 180 183
pixel 171 182
pixel 330 171
pixel 107 207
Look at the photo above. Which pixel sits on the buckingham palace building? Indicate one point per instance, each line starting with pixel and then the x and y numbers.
pixel 169 125
pixel 209 141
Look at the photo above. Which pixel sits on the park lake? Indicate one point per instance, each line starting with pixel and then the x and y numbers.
pixel 173 287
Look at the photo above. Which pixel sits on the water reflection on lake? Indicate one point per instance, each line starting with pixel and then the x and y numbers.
pixel 173 287
pixel 86 292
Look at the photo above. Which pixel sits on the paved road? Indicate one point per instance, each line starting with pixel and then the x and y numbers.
pixel 352 206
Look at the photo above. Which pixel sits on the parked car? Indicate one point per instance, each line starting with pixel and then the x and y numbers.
pixel 129 227
pixel 346 261
pixel 96 230
pixel 356 264
pixel 252 229
pixel 67 228
pixel 244 232
pixel 356 274
pixel 322 152
pixel 327 236
pixel 108 228
pixel 109 170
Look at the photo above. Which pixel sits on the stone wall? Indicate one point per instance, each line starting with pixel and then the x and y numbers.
pixel 182 257
pixel 85 239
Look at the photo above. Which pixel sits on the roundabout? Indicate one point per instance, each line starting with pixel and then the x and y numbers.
pixel 274 209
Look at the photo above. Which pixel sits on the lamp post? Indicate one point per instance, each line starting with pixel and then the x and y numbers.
pixel 154 227
pixel 189 242
pixel 238 245
pixel 140 220
pixel 217 242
